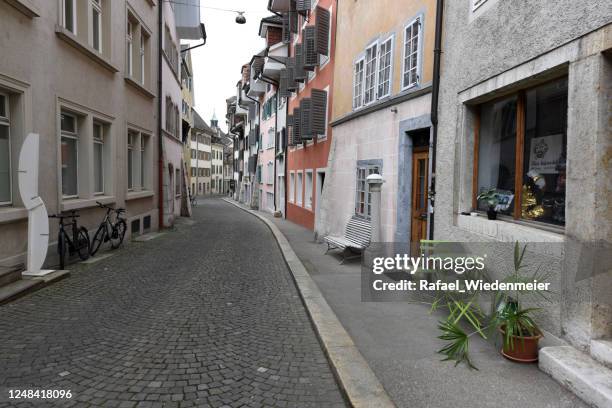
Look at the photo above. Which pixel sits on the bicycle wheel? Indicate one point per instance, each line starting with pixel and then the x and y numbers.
pixel 118 233
pixel 98 239
pixel 61 249
pixel 83 244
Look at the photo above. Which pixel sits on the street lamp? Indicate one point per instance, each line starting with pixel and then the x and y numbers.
pixel 240 18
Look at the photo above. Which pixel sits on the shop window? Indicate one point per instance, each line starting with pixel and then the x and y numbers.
pixel 521 153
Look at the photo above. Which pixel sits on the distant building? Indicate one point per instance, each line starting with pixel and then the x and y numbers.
pixel 200 156
pixel 187 109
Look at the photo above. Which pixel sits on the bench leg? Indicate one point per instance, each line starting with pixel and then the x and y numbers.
pixel 345 257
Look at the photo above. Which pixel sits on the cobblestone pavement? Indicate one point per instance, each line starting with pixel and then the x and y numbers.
pixel 206 315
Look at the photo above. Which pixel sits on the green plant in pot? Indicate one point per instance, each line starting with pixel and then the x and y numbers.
pixel 520 333
pixel 492 200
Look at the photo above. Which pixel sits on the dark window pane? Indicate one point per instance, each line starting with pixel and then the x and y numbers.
pixel 543 197
pixel 496 156
pixel 5 168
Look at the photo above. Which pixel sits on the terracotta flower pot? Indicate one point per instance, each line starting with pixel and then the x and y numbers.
pixel 524 350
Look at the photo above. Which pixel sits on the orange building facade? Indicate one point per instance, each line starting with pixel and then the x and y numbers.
pixel 307 160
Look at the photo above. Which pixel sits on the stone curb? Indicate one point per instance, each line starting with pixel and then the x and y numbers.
pixel 359 383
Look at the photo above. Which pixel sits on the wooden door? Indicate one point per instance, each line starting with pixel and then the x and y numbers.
pixel 420 177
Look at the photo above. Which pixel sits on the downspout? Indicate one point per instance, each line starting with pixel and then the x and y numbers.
pixel 160 164
pixel 257 150
pixel 434 111
pixel 276 132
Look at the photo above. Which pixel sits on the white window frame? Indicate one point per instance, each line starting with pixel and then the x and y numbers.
pixel 418 53
pixel 358 98
pixel 270 173
pixel 143 149
pixel 74 16
pixel 374 84
pixel 391 40
pixel 103 161
pixel 324 135
pixel 308 192
pixel 368 169
pixel 6 121
pixel 299 187
pixel 292 186
pixel 96 5
pixel 75 136
pixel 142 56
pixel 130 150
pixel 130 47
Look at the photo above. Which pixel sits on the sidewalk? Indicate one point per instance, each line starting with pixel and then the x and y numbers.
pixel 399 341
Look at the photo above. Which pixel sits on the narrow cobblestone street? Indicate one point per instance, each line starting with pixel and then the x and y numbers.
pixel 205 315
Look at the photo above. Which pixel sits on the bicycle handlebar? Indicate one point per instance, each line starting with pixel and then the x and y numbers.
pixel 64 216
pixel 119 210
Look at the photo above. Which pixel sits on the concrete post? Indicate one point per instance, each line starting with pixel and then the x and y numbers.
pixel 375 181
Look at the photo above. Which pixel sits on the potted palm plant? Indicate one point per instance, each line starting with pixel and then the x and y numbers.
pixel 520 334
pixel 492 200
pixel 519 331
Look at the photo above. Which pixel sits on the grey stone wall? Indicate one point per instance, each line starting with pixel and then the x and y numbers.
pixel 504 46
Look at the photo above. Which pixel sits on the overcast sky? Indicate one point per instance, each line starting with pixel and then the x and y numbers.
pixel 217 65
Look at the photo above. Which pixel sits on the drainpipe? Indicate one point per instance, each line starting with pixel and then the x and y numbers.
pixel 434 111
pixel 276 132
pixel 160 163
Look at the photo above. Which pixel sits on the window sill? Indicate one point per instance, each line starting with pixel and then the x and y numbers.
pixel 136 195
pixel 12 214
pixel 80 203
pixel 506 231
pixel 25 7
pixel 87 50
pixel 139 87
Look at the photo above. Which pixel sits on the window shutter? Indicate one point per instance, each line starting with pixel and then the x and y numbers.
pixel 303 6
pixel 300 72
pixel 323 25
pixel 252 111
pixel 292 85
pixel 293 17
pixel 309 47
pixel 258 64
pixel 286 28
pixel 283 92
pixel 297 131
pixel 290 126
pixel 306 119
pixel 319 111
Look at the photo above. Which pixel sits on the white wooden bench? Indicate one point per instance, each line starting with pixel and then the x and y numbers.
pixel 356 237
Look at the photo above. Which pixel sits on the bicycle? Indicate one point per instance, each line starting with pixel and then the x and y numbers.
pixel 108 230
pixel 79 242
